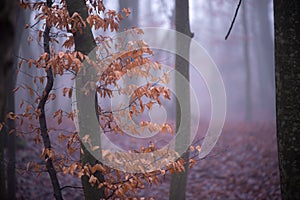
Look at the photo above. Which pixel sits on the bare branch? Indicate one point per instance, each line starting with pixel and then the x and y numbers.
pixel 233 20
pixel 70 186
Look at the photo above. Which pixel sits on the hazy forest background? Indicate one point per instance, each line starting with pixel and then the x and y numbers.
pixel 245 60
pixel 244 164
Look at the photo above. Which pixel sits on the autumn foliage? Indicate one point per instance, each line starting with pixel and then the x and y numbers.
pixel 130 58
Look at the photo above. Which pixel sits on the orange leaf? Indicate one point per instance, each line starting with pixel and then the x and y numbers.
pixel 40 36
pixel 69 43
pixel 22 103
pixel 65 90
pixel 11 131
pixel 192 162
pixel 70 92
pixel 97 167
pixel 11 116
pixel 126 11
pixel 94 148
pixel 73 168
pixel 42 79
pixel 71 116
pixel 192 148
pixel 93 180
pixel 59 121
pixel 31 92
pixel 66 170
pixel 53 97
pixel 149 105
pixel 61 54
pixel 16 89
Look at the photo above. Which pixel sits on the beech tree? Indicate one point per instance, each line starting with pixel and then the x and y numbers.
pixel 182 24
pixel 84 43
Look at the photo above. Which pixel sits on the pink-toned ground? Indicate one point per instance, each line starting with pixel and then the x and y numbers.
pixel 243 165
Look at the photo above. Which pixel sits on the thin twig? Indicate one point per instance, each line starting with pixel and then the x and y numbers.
pixel 33 25
pixel 70 186
pixel 112 194
pixel 233 20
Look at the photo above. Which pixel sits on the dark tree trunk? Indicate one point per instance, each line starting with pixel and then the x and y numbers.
pixel 7 27
pixel 85 43
pixel 42 118
pixel 10 107
pixel 287 73
pixel 11 140
pixel 182 24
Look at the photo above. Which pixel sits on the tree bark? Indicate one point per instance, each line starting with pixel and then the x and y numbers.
pixel 7 26
pixel 10 107
pixel 287 73
pixel 182 24
pixel 85 43
pixel 11 140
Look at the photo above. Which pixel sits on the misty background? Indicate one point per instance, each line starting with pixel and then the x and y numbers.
pixel 245 59
pixel 246 63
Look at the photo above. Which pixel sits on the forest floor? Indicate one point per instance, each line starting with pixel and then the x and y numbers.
pixel 243 165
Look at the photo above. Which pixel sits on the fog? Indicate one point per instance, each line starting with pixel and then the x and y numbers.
pixel 245 60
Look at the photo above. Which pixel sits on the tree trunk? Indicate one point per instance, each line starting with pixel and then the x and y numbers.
pixel 7 26
pixel 287 73
pixel 264 55
pixel 178 182
pixel 11 139
pixel 11 168
pixel 248 91
pixel 10 107
pixel 42 117
pixel 85 43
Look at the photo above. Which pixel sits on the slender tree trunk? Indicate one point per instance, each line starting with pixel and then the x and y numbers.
pixel 248 91
pixel 178 182
pixel 42 118
pixel 287 73
pixel 264 54
pixel 7 27
pixel 85 43
pixel 10 107
pixel 11 141
pixel 3 192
